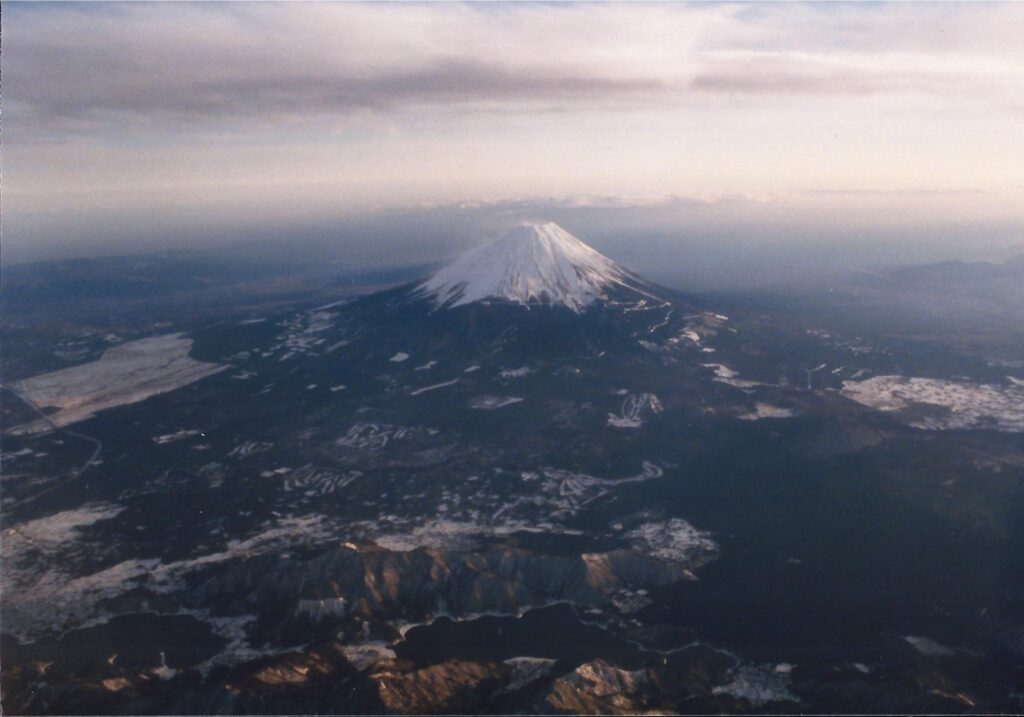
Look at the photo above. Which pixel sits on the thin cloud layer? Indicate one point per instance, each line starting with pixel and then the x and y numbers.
pixel 139 124
pixel 91 69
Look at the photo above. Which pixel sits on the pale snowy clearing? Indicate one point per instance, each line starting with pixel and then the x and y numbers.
pixel 938 404
pixel 125 374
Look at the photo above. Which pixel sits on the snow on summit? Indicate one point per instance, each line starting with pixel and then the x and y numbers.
pixel 534 263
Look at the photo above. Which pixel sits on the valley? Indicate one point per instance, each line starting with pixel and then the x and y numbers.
pixel 603 499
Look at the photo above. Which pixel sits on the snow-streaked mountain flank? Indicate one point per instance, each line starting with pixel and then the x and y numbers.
pixel 536 262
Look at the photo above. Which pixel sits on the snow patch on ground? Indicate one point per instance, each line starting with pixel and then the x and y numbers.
pixel 561 494
pixel 235 631
pixel 301 335
pixel 434 534
pixel 43 595
pixel 175 437
pixel 125 374
pixel 674 540
pixel 720 370
pixel 400 536
pixel 316 481
pixel 938 404
pixel 40 589
pixel 249 448
pixel 927 646
pixel 372 436
pixel 367 654
pixel 766 410
pixel 633 410
pixel 528 669
pixel 759 685
pixel 50 533
pixel 488 402
pixel 435 386
pixel 320 609
pixel 724 374
pixel 511 373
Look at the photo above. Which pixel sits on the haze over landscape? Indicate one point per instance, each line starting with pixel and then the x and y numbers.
pixel 736 139
pixel 512 358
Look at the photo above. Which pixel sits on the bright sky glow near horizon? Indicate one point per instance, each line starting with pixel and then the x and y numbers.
pixel 133 125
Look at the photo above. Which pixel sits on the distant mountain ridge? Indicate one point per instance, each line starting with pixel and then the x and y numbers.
pixel 957 271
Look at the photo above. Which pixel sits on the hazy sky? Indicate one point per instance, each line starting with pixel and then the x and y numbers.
pixel 128 126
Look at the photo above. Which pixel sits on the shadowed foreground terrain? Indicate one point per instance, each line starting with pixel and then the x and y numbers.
pixel 393 504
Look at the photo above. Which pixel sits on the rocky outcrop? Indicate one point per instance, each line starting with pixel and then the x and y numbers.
pixel 600 688
pixel 420 584
pixel 682 682
pixel 448 687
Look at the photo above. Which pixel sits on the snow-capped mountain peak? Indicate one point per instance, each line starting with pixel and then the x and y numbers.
pixel 533 263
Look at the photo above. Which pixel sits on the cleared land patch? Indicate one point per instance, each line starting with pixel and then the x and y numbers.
pixel 125 374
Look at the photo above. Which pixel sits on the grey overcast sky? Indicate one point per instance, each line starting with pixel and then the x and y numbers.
pixel 161 125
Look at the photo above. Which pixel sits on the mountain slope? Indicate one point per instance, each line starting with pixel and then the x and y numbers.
pixel 534 263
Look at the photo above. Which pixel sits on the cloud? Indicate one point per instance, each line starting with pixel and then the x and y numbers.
pixel 442 82
pixel 168 64
pixel 154 124
pixel 759 78
pixel 192 66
